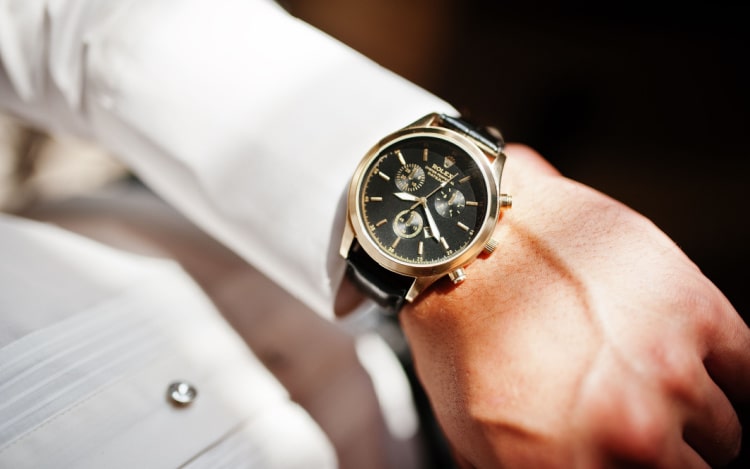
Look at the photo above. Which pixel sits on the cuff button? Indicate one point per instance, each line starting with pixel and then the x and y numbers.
pixel 181 393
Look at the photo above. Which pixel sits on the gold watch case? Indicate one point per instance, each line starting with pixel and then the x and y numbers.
pixel 489 165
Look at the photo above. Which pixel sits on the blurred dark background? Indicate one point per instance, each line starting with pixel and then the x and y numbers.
pixel 645 102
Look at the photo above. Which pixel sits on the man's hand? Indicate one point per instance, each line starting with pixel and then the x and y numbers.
pixel 588 339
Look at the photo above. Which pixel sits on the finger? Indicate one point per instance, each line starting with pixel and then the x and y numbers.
pixel 687 457
pixel 682 456
pixel 675 453
pixel 712 427
pixel 727 357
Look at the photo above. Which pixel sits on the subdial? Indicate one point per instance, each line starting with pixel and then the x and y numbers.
pixel 449 202
pixel 410 177
pixel 408 224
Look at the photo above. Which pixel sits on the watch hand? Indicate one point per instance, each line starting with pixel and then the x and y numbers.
pixel 413 172
pixel 431 193
pixel 453 197
pixel 411 218
pixel 442 184
pixel 430 220
pixel 407 197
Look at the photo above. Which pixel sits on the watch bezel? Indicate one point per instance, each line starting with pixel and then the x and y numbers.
pixel 460 259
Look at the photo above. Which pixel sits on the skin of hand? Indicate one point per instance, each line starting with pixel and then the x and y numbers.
pixel 587 339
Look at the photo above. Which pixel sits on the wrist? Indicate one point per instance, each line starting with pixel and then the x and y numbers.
pixel 527 176
pixel 475 345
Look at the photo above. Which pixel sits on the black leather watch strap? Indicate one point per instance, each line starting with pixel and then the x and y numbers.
pixel 387 288
pixel 493 141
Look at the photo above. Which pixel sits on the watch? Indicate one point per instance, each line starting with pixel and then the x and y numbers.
pixel 423 203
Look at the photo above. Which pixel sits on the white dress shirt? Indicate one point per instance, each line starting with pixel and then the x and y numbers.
pixel 250 123
pixel 247 120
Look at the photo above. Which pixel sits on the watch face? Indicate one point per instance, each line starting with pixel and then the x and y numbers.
pixel 423 200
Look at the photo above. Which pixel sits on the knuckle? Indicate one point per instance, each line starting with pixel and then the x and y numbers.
pixel 629 427
pixel 706 307
pixel 644 437
pixel 701 302
pixel 676 372
pixel 679 375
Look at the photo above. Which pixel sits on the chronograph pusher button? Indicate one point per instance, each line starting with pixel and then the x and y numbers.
pixel 457 276
pixel 506 200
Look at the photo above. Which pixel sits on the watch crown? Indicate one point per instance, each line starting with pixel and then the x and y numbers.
pixel 491 245
pixel 506 200
pixel 457 276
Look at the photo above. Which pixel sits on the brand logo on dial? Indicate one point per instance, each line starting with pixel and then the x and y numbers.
pixel 438 173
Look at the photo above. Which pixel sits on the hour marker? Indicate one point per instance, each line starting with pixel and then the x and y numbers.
pixel 471 203
pixel 462 226
pixel 464 179
pixel 384 176
pixel 401 157
pixel 420 248
pixel 395 243
pixel 444 243
pixel 381 222
pixel 373 199
pixel 424 154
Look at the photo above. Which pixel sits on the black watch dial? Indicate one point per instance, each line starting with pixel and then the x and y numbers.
pixel 423 200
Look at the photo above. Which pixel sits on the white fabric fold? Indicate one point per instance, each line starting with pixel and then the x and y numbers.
pixel 86 386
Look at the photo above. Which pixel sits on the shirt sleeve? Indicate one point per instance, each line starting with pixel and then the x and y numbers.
pixel 244 118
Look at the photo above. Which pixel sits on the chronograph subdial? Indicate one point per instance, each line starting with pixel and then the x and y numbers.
pixel 408 224
pixel 410 177
pixel 449 202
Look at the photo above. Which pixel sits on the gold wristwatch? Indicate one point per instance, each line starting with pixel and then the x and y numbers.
pixel 423 203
